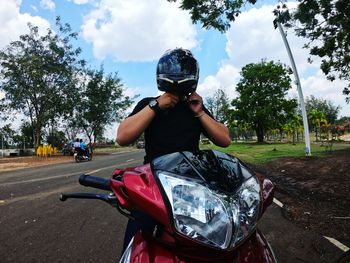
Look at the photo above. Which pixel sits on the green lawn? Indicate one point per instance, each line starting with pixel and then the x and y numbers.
pixel 262 153
pixel 113 149
pixel 255 153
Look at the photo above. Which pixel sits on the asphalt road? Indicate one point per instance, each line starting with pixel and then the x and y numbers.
pixel 36 227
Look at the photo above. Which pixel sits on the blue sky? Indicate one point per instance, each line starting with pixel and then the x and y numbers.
pixel 130 36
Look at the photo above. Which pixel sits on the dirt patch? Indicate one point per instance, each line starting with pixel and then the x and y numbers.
pixel 315 191
pixel 14 163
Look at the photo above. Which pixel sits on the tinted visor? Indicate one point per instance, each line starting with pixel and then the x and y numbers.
pixel 178 65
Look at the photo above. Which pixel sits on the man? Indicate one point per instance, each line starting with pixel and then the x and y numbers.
pixel 77 145
pixel 83 148
pixel 173 121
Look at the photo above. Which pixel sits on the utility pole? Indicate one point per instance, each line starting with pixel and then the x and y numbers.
pixel 307 149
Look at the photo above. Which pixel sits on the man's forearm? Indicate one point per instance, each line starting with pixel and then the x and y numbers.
pixel 132 127
pixel 218 133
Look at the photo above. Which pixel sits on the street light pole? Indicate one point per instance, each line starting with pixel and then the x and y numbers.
pixel 307 149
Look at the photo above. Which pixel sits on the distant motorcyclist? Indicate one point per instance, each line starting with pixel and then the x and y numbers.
pixel 83 148
pixel 77 146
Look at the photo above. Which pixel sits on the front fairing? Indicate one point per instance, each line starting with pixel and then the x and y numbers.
pixel 141 250
pixel 216 169
pixel 211 197
pixel 138 188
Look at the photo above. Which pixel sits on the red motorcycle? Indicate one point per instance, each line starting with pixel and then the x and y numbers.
pixel 206 205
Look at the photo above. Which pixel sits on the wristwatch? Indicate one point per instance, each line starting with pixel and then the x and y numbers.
pixel 154 105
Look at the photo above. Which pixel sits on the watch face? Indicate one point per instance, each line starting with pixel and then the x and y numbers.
pixel 153 103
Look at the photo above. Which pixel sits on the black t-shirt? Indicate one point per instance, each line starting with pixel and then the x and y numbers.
pixel 172 130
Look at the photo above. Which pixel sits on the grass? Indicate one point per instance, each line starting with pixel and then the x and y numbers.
pixel 254 153
pixel 263 153
pixel 113 149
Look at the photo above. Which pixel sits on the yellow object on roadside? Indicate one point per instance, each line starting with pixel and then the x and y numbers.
pixel 39 151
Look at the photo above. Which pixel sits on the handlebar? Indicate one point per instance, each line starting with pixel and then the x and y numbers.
pixel 96 182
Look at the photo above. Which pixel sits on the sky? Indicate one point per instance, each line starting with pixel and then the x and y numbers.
pixel 129 37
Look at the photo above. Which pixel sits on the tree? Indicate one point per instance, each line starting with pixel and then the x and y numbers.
pixel 329 110
pixel 293 126
pixel 326 26
pixel 56 139
pixel 27 133
pixel 102 101
pixel 214 14
pixel 261 102
pixel 38 75
pixel 324 23
pixel 317 118
pixel 218 105
pixel 7 134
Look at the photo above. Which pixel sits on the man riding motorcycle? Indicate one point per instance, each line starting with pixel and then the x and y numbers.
pixel 173 121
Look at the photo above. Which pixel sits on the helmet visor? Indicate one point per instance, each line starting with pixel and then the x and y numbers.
pixel 178 65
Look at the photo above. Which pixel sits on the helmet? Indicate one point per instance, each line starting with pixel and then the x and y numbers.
pixel 178 71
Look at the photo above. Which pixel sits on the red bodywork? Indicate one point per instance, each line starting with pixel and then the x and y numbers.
pixel 139 190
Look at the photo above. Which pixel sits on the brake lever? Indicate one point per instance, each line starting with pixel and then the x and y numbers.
pixel 110 199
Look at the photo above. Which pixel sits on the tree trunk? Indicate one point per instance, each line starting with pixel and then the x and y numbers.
pixel 260 133
pixel 37 137
pixel 293 137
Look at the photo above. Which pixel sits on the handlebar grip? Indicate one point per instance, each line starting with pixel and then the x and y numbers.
pixel 96 182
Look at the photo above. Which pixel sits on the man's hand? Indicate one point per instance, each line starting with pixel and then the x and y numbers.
pixel 168 100
pixel 196 103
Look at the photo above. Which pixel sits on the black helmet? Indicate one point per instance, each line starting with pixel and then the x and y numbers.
pixel 178 71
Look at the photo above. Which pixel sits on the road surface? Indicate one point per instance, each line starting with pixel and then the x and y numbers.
pixel 36 227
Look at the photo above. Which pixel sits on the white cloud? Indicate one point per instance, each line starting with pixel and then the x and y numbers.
pixel 225 79
pixel 137 30
pixel 34 8
pixel 81 2
pixel 13 23
pixel 47 4
pixel 252 37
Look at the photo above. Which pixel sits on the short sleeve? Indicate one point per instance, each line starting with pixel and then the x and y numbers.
pixel 140 105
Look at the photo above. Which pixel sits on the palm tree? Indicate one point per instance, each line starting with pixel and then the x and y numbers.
pixel 317 118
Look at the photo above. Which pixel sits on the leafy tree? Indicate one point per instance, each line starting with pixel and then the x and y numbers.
pixel 102 101
pixel 293 126
pixel 325 106
pixel 38 75
pixel 214 14
pixel 27 133
pixel 317 118
pixel 56 139
pixel 261 102
pixel 7 135
pixel 324 23
pixel 326 26
pixel 218 105
pixel 343 120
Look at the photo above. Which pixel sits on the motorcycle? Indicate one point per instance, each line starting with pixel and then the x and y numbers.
pixel 79 156
pixel 206 205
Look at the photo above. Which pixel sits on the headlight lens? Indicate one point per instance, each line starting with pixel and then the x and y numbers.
pixel 212 217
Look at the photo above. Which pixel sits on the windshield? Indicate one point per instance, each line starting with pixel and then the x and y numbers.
pixel 218 170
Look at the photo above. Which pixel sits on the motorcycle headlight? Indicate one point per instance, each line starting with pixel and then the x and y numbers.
pixel 210 216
